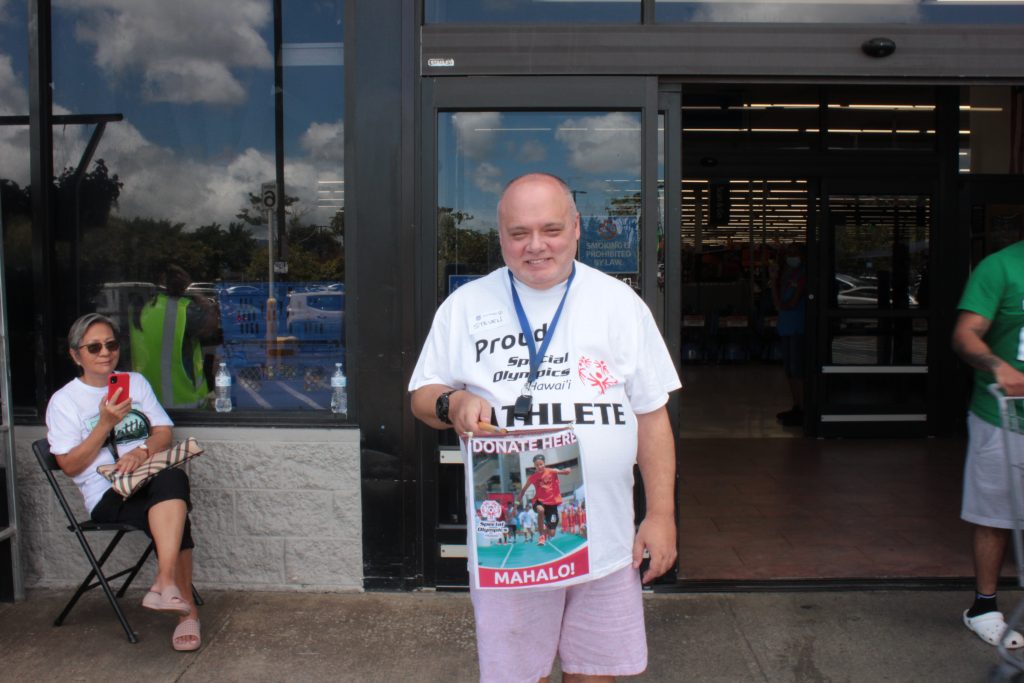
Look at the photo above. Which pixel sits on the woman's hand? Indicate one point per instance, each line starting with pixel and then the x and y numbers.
pixel 112 412
pixel 131 460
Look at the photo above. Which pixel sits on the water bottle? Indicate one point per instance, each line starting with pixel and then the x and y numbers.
pixel 339 397
pixel 222 404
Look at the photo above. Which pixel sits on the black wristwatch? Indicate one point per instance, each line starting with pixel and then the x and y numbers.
pixel 441 407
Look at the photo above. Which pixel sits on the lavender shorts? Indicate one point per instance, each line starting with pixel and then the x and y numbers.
pixel 595 628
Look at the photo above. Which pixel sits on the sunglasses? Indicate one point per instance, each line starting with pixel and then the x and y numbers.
pixel 95 347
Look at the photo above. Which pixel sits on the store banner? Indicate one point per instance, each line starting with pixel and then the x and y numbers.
pixel 610 243
pixel 526 508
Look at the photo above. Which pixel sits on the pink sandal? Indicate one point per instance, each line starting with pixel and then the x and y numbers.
pixel 186 631
pixel 167 602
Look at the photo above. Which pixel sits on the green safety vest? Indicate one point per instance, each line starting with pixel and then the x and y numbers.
pixel 157 353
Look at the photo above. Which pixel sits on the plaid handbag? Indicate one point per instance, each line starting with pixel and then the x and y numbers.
pixel 127 483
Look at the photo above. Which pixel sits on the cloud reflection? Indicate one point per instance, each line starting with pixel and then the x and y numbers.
pixel 475 132
pixel 816 11
pixel 489 178
pixel 14 140
pixel 599 144
pixel 325 142
pixel 184 50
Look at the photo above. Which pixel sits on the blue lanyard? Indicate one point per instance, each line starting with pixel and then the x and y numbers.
pixel 537 356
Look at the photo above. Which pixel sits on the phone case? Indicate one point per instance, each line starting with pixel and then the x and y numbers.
pixel 118 380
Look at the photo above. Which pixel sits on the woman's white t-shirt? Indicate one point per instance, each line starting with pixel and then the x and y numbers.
pixel 73 413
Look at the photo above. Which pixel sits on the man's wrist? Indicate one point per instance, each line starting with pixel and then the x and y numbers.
pixel 991 362
pixel 442 406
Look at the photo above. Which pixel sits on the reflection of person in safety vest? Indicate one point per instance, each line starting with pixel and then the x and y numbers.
pixel 165 342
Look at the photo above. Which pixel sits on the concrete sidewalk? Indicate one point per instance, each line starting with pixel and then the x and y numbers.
pixel 426 636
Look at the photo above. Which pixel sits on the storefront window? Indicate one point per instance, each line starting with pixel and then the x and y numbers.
pixel 719 122
pixel 162 204
pixel 15 200
pixel 799 11
pixel 532 11
pixel 859 118
pixel 596 153
pixel 990 137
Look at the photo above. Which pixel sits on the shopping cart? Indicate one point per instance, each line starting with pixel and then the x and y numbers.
pixel 1011 411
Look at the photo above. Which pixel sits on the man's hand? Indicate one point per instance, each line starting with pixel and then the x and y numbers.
pixel 656 455
pixel 467 410
pixel 658 535
pixel 1010 379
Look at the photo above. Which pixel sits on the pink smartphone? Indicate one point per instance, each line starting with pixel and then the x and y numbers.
pixel 118 380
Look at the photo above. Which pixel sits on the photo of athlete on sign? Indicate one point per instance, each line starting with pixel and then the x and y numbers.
pixel 548 496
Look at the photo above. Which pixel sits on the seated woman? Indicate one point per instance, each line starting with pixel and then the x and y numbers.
pixel 80 421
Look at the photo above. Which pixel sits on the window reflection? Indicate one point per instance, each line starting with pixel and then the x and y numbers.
pixel 799 11
pixel 596 153
pixel 15 202
pixel 531 11
pixel 881 250
pixel 878 341
pixel 165 209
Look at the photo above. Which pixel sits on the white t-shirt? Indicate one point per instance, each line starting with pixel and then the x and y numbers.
pixel 606 363
pixel 73 412
pixel 528 519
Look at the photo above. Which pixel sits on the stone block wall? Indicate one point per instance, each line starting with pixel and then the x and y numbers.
pixel 273 509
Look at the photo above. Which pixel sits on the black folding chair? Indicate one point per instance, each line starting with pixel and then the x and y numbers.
pixel 96 577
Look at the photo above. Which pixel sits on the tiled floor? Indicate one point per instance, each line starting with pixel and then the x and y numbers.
pixel 733 401
pixel 771 504
pixel 753 509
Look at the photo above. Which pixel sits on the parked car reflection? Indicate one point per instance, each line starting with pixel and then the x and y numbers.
pixel 861 292
pixel 317 314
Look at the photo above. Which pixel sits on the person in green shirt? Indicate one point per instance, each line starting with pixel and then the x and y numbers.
pixel 989 335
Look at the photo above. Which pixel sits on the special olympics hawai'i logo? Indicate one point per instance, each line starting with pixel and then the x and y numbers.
pixel 596 374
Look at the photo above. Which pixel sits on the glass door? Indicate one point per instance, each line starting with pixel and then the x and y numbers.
pixel 874 309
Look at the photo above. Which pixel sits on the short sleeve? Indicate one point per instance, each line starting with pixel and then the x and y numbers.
pixel 434 363
pixel 655 376
pixel 984 289
pixel 63 425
